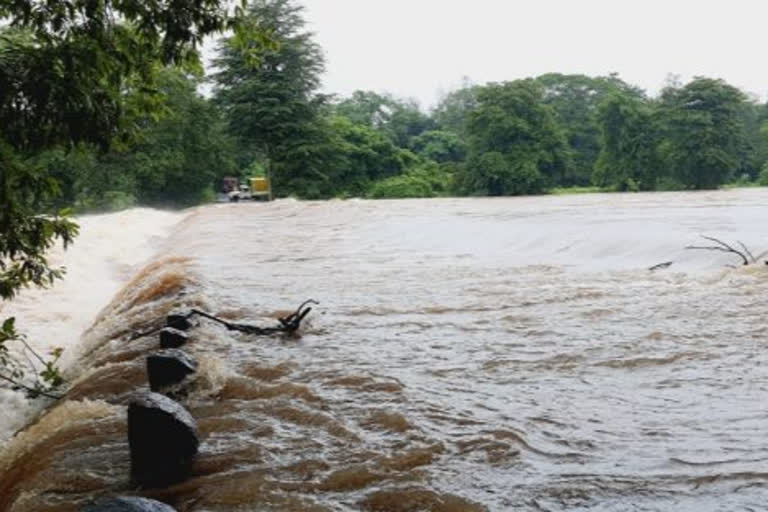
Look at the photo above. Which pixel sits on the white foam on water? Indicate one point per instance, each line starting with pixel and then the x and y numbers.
pixel 109 249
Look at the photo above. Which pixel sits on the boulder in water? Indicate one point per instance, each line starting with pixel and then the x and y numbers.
pixel 178 321
pixel 128 504
pixel 168 367
pixel 172 338
pixel 163 440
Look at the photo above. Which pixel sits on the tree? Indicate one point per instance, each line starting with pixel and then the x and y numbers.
pixel 440 146
pixel 64 66
pixel 628 140
pixel 452 111
pixel 754 151
pixel 180 156
pixel 367 108
pixel 399 119
pixel 703 131
pixel 575 99
pixel 272 105
pixel 516 146
pixel 364 156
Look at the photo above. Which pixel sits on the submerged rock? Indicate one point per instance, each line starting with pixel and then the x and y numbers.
pixel 129 504
pixel 163 440
pixel 178 321
pixel 168 367
pixel 172 338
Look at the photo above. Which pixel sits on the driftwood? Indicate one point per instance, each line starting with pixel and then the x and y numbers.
pixel 288 324
pixel 744 253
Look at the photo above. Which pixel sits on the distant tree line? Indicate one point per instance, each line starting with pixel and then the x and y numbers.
pixel 266 115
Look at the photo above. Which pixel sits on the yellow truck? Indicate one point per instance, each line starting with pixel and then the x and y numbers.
pixel 255 189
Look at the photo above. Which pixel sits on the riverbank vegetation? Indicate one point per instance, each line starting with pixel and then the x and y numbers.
pixel 155 140
pixel 85 109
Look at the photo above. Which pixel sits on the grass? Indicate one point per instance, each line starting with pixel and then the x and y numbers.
pixel 740 184
pixel 563 191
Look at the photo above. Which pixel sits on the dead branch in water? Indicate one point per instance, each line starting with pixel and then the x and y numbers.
pixel 745 254
pixel 288 324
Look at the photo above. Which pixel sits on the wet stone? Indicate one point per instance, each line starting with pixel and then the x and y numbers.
pixel 172 338
pixel 178 321
pixel 168 367
pixel 129 504
pixel 163 440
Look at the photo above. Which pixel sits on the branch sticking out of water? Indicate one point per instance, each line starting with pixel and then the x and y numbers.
pixel 745 254
pixel 288 324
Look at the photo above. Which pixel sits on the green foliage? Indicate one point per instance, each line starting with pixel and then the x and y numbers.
pixel 401 187
pixel 754 148
pixel 703 132
pixel 516 146
pixel 36 375
pixel 575 99
pixel 496 174
pixel 65 64
pixel 627 160
pixel 668 184
pixel 183 153
pixel 176 158
pixel 763 178
pixel 440 146
pixel 401 120
pixel 27 236
pixel 272 106
pixel 452 111
pixel 426 180
pixel 363 155
pixel 73 72
pixel 366 108
pixel 566 191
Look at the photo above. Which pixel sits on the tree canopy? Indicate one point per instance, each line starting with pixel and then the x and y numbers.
pixel 272 105
pixel 65 68
pixel 628 142
pixel 515 144
pixel 703 135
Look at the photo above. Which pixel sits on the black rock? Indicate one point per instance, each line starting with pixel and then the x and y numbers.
pixel 168 367
pixel 128 504
pixel 178 321
pixel 163 440
pixel 172 338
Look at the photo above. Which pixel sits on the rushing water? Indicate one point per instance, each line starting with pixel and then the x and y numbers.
pixel 467 354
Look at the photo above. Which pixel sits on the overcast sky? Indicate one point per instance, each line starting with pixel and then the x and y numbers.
pixel 417 48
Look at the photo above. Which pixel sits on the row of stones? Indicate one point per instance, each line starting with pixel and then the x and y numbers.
pixel 162 435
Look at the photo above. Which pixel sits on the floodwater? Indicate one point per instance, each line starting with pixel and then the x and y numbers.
pixel 466 355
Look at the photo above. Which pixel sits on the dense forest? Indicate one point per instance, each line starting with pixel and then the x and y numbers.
pixel 265 114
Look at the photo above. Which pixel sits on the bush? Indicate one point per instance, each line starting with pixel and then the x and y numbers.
pixel 495 174
pixel 401 187
pixel 110 201
pixel 763 177
pixel 428 180
pixel 669 184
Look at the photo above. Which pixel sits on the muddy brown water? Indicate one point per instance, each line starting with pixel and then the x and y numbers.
pixel 467 355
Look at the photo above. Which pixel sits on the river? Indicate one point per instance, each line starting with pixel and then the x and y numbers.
pixel 467 354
